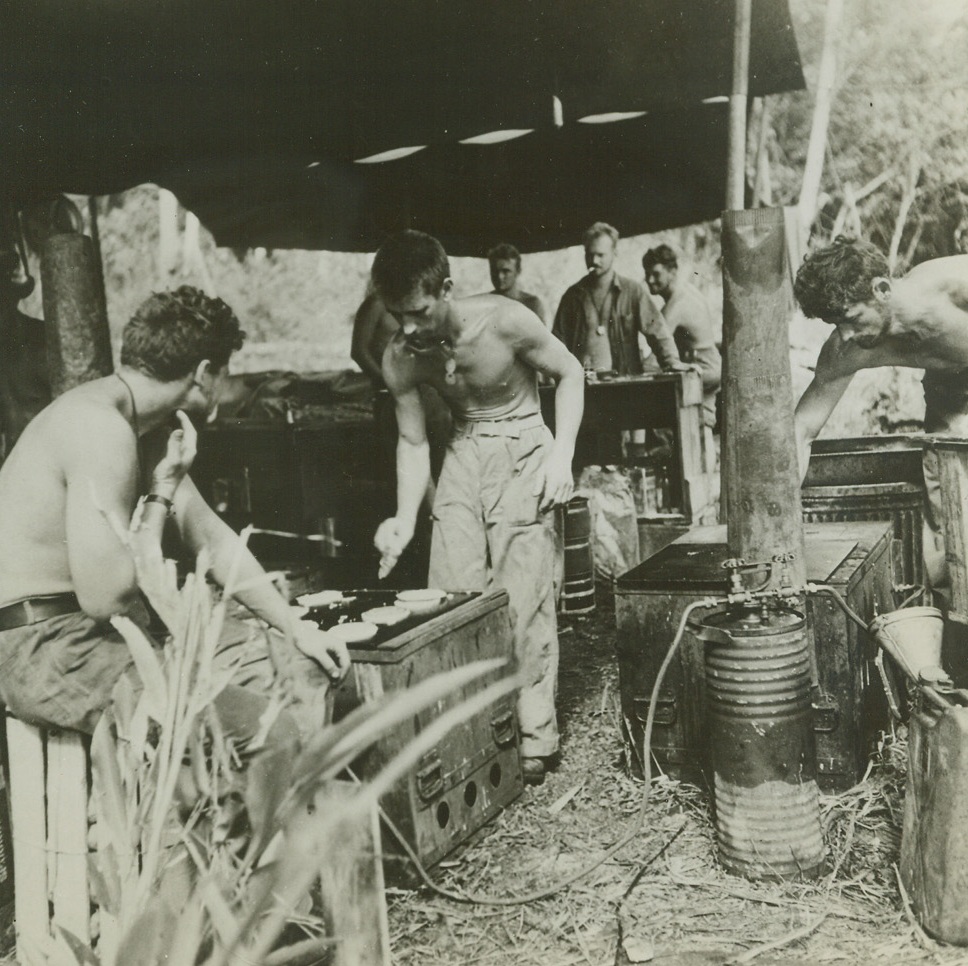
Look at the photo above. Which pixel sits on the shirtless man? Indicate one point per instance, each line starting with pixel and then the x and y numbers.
pixel 86 459
pixel 687 314
pixel 919 321
pixel 505 264
pixel 373 328
pixel 503 472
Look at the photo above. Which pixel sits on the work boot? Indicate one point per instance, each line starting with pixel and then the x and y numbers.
pixel 533 770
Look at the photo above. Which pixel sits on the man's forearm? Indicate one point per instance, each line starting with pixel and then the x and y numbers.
pixel 234 566
pixel 413 478
pixel 569 407
pixel 662 343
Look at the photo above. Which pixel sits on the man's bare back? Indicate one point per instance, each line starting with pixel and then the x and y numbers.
pixel 84 427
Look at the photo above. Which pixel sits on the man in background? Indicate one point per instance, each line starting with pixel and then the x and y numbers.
pixel 601 316
pixel 373 328
pixel 505 263
pixel 919 321
pixel 687 314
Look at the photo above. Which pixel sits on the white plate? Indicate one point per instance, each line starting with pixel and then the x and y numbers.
pixel 421 601
pixel 428 595
pixel 385 615
pixel 354 632
pixel 325 598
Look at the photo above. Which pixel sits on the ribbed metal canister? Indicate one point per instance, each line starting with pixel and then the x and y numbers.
pixel 758 685
pixel 578 591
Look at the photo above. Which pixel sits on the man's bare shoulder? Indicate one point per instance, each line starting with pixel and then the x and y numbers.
pixel 947 275
pixel 499 310
pixel 951 266
pixel 83 425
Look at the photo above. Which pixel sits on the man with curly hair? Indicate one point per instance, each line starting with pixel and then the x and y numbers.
pixel 919 321
pixel 90 458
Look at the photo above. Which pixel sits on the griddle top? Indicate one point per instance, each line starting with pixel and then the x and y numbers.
pixel 357 601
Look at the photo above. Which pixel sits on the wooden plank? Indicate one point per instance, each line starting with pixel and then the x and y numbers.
pixel 67 833
pixel 953 474
pixel 25 745
pixel 353 890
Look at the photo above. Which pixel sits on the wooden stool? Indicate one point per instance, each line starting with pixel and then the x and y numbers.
pixel 49 785
pixel 49 796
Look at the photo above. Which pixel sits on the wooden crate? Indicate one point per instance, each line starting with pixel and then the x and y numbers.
pixel 49 783
pixel 901 503
pixel 476 771
pixel 953 471
pixel 853 557
pixel 670 401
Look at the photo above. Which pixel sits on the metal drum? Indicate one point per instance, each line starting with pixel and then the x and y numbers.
pixel 578 589
pixel 758 687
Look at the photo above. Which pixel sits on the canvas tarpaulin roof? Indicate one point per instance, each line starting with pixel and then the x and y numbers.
pixel 258 114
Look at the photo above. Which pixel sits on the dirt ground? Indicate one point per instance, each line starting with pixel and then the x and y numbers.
pixel 663 898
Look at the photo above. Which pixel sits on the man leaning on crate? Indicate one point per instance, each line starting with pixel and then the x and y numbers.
pixel 503 472
pixel 919 321
pixel 86 459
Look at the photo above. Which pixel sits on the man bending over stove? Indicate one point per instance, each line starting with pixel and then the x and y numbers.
pixel 503 472
pixel 87 458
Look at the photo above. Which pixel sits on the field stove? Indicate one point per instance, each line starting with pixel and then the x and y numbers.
pixel 476 770
pixel 855 558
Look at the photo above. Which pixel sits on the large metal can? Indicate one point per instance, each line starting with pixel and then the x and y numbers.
pixel 758 688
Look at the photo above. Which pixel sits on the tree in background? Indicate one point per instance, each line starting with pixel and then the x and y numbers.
pixel 896 169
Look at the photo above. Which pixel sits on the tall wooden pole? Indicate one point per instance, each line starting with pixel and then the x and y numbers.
pixel 736 164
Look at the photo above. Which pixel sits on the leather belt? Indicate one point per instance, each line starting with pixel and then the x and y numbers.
pixel 510 426
pixel 33 610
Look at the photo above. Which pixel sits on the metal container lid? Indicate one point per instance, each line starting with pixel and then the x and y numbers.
pixel 755 621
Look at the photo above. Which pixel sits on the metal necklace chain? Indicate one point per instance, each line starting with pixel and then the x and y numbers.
pixel 600 309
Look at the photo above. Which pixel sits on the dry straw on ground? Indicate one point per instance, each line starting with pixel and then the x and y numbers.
pixel 682 907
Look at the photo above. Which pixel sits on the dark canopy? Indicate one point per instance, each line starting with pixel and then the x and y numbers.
pixel 257 114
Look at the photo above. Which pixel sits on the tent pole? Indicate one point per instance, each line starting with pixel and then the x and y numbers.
pixel 736 164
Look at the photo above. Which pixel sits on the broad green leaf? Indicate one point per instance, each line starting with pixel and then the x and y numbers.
pixel 148 940
pixel 147 664
pixel 102 873
pixel 267 780
pixel 108 788
pixel 82 953
pixel 364 725
pixel 189 934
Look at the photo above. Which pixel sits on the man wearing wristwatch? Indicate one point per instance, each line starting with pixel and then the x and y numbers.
pixel 84 461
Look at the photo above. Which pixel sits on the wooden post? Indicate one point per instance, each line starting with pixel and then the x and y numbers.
pixel 952 462
pixel 351 880
pixel 75 316
pixel 759 458
pixel 736 163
